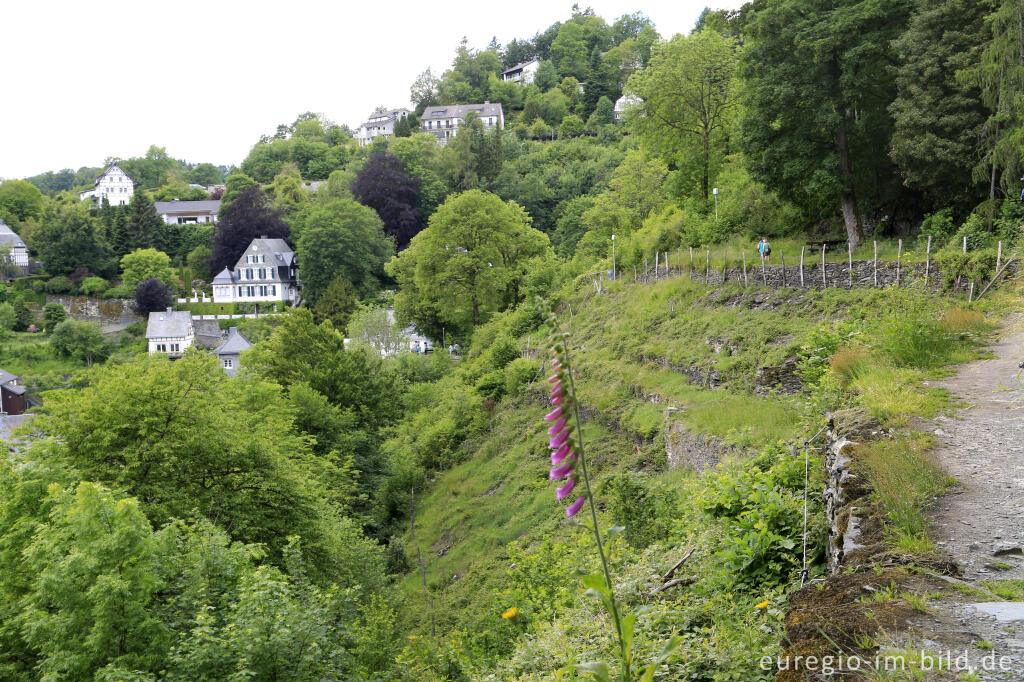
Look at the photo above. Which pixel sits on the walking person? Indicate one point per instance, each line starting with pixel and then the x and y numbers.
pixel 765 249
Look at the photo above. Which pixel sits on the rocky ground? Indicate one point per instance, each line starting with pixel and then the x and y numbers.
pixel 980 523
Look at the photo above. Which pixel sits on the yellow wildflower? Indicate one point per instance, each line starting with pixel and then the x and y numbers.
pixel 510 614
pixel 762 605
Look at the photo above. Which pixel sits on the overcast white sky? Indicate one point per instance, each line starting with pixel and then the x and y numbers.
pixel 205 79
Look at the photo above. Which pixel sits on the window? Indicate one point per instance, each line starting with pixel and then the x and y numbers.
pixel 175 347
pixel 227 363
pixel 240 294
pixel 248 273
pixel 251 291
pixel 263 273
pixel 273 290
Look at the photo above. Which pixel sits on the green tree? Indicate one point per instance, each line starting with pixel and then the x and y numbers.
pixel 22 316
pixel 571 125
pixel 68 238
pixel 467 264
pixel 8 316
pixel 336 303
pixel 143 226
pixel 53 314
pixel 236 183
pixel 88 604
pixel 687 95
pixel 604 114
pixel 999 74
pixel 341 238
pixel 287 191
pixel 19 201
pixel 371 328
pixel 198 261
pixel 81 341
pixel 939 119
pixel 818 86
pixel 546 76
pixel 145 264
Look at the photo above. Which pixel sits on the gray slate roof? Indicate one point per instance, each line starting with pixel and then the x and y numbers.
pixel 165 324
pixel 9 236
pixel 275 251
pixel 5 380
pixel 204 206
pixel 519 67
pixel 224 277
pixel 460 110
pixel 234 344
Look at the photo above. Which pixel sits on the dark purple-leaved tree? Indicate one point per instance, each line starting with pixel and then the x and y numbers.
pixel 247 217
pixel 152 295
pixel 383 185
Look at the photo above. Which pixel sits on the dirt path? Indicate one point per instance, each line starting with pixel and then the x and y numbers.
pixel 981 522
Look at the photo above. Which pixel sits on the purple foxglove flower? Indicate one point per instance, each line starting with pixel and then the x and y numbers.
pixel 566 489
pixel 558 440
pixel 553 414
pixel 557 400
pixel 553 379
pixel 571 510
pixel 567 468
pixel 558 455
pixel 557 427
pixel 556 389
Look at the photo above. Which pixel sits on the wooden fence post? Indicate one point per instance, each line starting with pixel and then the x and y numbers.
pixel 764 274
pixel 802 266
pixel 782 257
pixel 876 263
pixel 645 267
pixel 999 256
pixel 691 258
pixel 707 269
pixel 824 280
pixel 725 263
pixel 849 250
pixel 634 274
pixel 656 255
pixel 965 243
pixel 899 257
pixel 744 268
pixel 927 261
pixel 666 263
pixel 970 296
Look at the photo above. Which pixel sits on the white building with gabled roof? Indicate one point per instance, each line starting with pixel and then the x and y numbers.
pixel 522 73
pixel 17 252
pixel 113 184
pixel 266 273
pixel 381 122
pixel 443 121
pixel 170 332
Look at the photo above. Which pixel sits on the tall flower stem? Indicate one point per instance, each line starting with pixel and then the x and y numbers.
pixel 626 672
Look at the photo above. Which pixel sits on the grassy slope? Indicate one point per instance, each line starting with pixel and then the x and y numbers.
pixel 462 531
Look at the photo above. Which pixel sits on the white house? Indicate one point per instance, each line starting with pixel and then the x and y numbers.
pixel 381 122
pixel 444 121
pixel 624 104
pixel 188 212
pixel 266 272
pixel 522 73
pixel 113 184
pixel 170 332
pixel 18 252
pixel 228 351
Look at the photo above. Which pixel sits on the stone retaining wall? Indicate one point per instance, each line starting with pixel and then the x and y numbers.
pixel 102 310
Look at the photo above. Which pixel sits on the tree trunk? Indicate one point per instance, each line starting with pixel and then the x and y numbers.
pixel 847 196
pixel 704 181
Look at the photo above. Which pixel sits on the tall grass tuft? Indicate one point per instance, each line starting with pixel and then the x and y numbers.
pixel 905 478
pixel 848 362
pixel 958 320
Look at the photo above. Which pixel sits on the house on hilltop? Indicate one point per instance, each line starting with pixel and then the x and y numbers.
pixel 17 252
pixel 188 212
pixel 443 121
pixel 381 122
pixel 624 104
pixel 170 332
pixel 230 349
pixel 266 273
pixel 522 73
pixel 113 184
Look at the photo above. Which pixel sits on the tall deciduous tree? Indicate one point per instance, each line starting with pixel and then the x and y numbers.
pixel 145 263
pixel 20 200
pixel 152 295
pixel 383 185
pixel 467 264
pixel 68 237
pixel 819 81
pixel 342 238
pixel 938 117
pixel 687 95
pixel 249 216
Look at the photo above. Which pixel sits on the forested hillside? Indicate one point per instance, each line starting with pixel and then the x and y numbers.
pixel 343 508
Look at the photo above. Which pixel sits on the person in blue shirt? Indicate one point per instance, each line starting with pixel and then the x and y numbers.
pixel 765 249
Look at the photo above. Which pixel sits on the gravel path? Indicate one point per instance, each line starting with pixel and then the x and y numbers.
pixel 981 522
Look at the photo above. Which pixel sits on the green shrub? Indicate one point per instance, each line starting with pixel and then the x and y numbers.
pixel 975 228
pixel 503 351
pixel 646 511
pixel 120 291
pixel 914 339
pixel 53 314
pixel 938 226
pixel 519 374
pixel 491 385
pixel 94 286
pixel 59 285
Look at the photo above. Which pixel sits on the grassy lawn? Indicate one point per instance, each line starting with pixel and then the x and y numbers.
pixel 29 356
